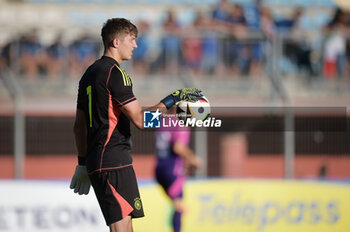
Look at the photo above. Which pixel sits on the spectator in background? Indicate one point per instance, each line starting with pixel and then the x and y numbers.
pixel 82 53
pixel 170 55
pixel 267 24
pixel 296 47
pixel 347 24
pixel 221 12
pixel 252 13
pixel 192 45
pixel 31 55
pixel 140 59
pixel 335 45
pixel 7 54
pixel 237 22
pixel 211 62
pixel 238 53
pixel 56 58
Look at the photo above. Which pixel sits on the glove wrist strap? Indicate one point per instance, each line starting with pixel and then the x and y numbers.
pixel 168 101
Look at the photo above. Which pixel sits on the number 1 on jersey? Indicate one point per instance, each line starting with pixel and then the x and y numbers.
pixel 89 93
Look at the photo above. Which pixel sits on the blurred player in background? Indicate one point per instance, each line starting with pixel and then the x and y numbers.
pixel 106 105
pixel 173 156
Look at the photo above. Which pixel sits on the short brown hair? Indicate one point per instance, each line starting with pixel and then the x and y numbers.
pixel 116 27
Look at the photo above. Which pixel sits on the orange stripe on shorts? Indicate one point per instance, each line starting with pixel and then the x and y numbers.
pixel 124 205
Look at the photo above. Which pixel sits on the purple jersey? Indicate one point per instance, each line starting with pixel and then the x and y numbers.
pixel 170 169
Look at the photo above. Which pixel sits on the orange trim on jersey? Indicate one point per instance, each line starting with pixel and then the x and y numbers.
pixel 126 101
pixel 109 76
pixel 112 168
pixel 113 115
pixel 125 207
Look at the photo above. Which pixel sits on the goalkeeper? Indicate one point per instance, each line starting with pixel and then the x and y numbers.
pixel 105 106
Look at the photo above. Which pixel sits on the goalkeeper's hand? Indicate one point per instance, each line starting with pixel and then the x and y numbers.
pixel 80 180
pixel 185 94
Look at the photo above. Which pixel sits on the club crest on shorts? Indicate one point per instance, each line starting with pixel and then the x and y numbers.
pixel 137 203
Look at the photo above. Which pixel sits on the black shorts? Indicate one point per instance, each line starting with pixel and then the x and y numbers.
pixel 117 193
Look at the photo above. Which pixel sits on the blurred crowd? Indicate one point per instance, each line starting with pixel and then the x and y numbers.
pixel 229 40
pixel 28 57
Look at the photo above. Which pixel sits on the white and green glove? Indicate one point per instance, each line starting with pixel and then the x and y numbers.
pixel 185 94
pixel 80 180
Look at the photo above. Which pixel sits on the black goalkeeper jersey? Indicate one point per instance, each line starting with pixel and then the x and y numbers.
pixel 103 88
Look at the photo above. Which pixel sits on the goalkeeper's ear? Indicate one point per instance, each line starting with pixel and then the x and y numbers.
pixel 115 43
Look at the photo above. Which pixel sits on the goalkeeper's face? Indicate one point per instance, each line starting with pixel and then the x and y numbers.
pixel 127 44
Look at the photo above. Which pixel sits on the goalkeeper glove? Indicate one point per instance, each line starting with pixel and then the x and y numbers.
pixel 185 94
pixel 80 180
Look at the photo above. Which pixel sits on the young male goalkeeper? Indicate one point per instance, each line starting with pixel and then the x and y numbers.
pixel 105 106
